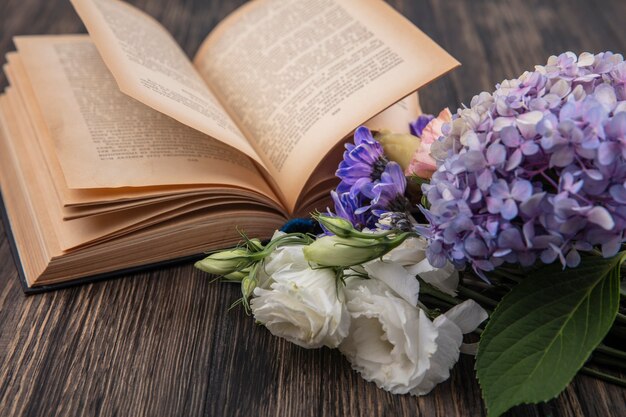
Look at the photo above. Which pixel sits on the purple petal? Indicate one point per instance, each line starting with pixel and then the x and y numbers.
pixel 473 160
pixel 594 174
pixel 362 134
pixel 496 154
pixel 510 137
pixel 601 217
pixel 484 180
pixel 499 189
pixel 475 247
pixel 562 157
pixel 514 160
pixel 529 233
pixel 509 209
pixel 522 190
pixel 607 151
pixel 511 238
pixel 610 248
pixel 618 192
pixel 572 259
pixel 494 205
pixel 529 148
pixel 418 126
pixel 548 256
pixel 617 127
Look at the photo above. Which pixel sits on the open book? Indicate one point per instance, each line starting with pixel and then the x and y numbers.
pixel 118 151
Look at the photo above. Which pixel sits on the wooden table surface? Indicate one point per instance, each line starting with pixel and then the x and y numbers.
pixel 164 343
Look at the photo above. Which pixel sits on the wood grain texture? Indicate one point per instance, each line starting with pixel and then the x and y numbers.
pixel 164 343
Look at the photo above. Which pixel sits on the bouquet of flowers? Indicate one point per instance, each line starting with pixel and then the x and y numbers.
pixel 512 210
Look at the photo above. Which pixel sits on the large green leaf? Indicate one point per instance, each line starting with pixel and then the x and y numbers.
pixel 544 330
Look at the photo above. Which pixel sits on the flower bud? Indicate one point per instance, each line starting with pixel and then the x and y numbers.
pixel 248 284
pixel 336 225
pixel 225 262
pixel 344 252
pixel 238 275
pixel 399 147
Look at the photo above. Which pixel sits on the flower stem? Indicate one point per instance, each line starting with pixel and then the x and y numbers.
pixel 426 288
pixel 604 360
pixel 476 296
pixel 603 376
pixel 616 353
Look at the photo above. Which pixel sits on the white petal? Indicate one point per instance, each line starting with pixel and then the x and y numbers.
pixel 445 279
pixel 449 339
pixel 403 283
pixel 467 315
pixel 585 59
pixel 410 252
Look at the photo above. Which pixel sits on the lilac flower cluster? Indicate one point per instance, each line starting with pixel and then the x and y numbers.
pixel 371 185
pixel 534 171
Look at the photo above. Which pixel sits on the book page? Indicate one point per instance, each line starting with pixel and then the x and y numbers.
pixel 150 66
pixel 298 76
pixel 398 117
pixel 105 139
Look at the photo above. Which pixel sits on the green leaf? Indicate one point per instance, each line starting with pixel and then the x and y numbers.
pixel 544 330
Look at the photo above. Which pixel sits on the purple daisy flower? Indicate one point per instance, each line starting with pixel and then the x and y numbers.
pixel 370 185
pixel 363 163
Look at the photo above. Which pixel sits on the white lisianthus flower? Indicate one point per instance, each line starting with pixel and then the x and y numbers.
pixel 303 305
pixel 392 342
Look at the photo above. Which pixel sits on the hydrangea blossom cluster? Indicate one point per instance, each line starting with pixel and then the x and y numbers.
pixel 371 185
pixel 534 171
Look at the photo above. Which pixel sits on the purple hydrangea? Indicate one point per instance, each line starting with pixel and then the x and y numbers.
pixel 534 171
pixel 371 185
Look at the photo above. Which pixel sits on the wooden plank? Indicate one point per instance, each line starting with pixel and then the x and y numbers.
pixel 164 343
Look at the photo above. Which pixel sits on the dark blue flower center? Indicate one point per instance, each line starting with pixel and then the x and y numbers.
pixel 399 204
pixel 378 168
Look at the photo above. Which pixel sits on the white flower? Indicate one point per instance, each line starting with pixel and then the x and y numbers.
pixel 298 303
pixel 450 327
pixel 392 342
pixel 411 254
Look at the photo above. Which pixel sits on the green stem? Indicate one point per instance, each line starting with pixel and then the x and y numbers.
pixel 605 377
pixel 618 331
pixel 615 353
pixel 440 295
pixel 604 360
pixel 620 318
pixel 507 275
pixel 476 296
pixel 435 302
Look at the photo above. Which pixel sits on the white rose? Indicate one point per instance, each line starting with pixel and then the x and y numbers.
pixel 298 303
pixel 390 341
